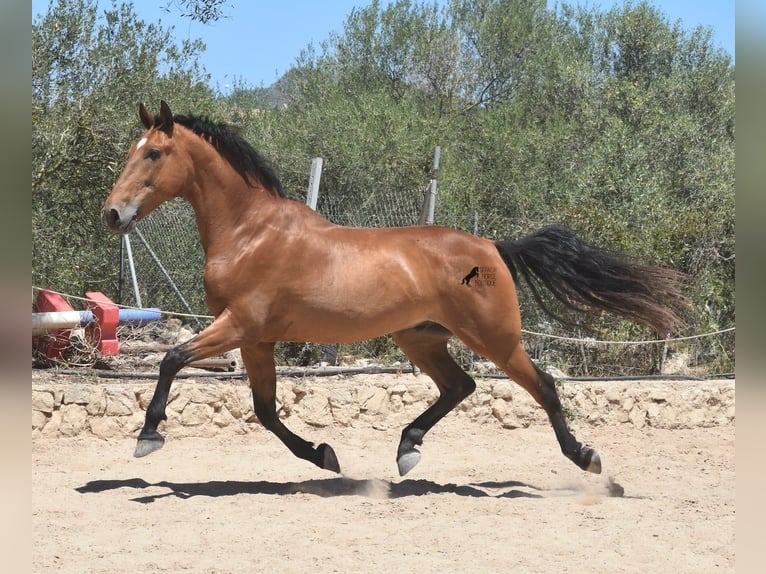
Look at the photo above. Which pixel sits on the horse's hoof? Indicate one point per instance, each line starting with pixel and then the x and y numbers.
pixel 328 458
pixel 407 461
pixel 148 443
pixel 592 459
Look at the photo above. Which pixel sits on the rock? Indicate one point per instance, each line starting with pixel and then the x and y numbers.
pixel 178 405
pixel 196 414
pixel 658 395
pixel 96 406
pixel 397 389
pixel 234 402
pixel 73 420
pixel 118 409
pixel 503 390
pixel 208 395
pixel 696 418
pixel 76 395
pixel 223 418
pixel 614 394
pixel 39 420
pixel 503 413
pixel 373 400
pixel 395 403
pixel 173 421
pixel 653 415
pixel 420 391
pixel 144 397
pixel 344 407
pixel 42 401
pixel 119 402
pixel 315 410
pixel 105 427
pixel 694 397
pixel 134 423
pixel 184 334
pixel 622 416
pixel 340 397
pixel 637 417
pixel 51 428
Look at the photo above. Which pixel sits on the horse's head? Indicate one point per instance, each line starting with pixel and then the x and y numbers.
pixel 152 175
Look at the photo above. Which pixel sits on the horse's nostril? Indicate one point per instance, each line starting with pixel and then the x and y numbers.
pixel 113 217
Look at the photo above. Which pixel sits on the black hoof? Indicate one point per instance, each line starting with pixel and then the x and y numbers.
pixel 407 456
pixel 327 458
pixel 589 460
pixel 148 443
pixel 407 461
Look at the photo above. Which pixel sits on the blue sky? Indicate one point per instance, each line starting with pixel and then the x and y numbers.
pixel 261 39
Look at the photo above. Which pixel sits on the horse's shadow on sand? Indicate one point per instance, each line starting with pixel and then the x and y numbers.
pixel 327 487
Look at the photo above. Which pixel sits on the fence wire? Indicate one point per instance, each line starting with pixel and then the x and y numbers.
pixel 171 236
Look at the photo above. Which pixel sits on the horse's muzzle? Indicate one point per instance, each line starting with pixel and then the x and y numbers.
pixel 117 222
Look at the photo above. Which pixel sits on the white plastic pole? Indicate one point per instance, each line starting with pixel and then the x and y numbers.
pixel 44 322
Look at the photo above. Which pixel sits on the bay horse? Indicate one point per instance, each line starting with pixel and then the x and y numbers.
pixel 275 270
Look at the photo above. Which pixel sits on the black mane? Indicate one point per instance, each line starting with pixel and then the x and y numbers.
pixel 242 156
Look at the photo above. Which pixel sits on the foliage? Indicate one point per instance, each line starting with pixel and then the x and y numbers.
pixel 204 11
pixel 89 73
pixel 618 123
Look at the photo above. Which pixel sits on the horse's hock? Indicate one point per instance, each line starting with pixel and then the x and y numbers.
pixel 62 406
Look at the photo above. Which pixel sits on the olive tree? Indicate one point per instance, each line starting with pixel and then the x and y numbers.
pixel 89 72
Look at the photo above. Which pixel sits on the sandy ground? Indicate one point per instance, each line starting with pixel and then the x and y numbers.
pixel 483 499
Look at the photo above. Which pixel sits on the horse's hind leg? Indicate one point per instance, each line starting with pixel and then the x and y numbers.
pixel 542 387
pixel 427 349
pixel 261 370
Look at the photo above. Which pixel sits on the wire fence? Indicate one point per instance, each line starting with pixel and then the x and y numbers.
pixel 169 236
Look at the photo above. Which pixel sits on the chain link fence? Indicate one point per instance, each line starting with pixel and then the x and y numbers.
pixel 168 261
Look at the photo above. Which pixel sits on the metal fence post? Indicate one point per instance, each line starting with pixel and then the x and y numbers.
pixel 432 191
pixel 316 174
pixel 134 279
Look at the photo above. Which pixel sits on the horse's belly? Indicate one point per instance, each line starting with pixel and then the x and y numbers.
pixel 345 325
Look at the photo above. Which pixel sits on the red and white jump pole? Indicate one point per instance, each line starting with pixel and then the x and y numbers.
pixel 54 319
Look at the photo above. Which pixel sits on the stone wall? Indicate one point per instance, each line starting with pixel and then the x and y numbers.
pixel 115 408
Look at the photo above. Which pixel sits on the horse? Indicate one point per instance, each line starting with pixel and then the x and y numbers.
pixel 275 270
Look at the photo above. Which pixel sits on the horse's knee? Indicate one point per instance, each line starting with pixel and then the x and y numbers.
pixel 173 361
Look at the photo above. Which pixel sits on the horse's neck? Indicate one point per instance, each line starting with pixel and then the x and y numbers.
pixel 227 209
pixel 231 212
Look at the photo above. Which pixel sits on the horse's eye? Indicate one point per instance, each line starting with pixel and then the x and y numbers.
pixel 152 154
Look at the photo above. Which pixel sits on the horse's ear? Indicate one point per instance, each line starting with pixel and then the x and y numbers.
pixel 146 118
pixel 166 118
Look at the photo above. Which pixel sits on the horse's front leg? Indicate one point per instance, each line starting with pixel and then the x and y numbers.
pixel 219 337
pixel 261 370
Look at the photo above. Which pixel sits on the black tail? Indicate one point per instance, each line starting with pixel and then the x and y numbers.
pixel 583 276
